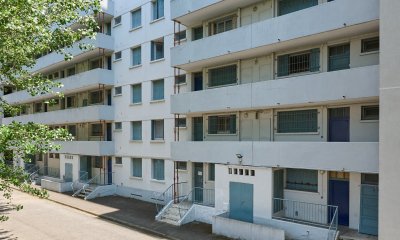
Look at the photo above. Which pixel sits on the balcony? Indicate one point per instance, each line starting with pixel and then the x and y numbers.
pixel 56 60
pixel 330 156
pixel 92 148
pixel 79 82
pixel 353 83
pixel 191 12
pixel 107 6
pixel 333 20
pixel 74 115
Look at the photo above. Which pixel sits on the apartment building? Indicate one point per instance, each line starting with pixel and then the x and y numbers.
pixel 260 117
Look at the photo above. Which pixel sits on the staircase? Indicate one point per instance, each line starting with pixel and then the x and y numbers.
pixel 84 192
pixel 173 213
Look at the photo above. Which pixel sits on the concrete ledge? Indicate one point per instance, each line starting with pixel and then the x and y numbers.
pixel 232 228
pixel 56 185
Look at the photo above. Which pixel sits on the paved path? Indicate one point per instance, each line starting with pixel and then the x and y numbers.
pixel 45 220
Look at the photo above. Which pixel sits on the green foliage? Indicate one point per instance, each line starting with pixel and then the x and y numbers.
pixel 28 29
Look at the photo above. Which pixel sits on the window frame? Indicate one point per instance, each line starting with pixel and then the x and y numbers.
pixel 133 101
pixel 133 12
pixel 182 123
pixel 118 91
pixel 118 56
pixel 154 131
pixel 118 20
pixel 99 133
pixel 219 121
pixel 210 70
pixel 139 125
pixel 117 126
pixel 136 50
pixel 155 54
pixel 155 97
pixel 139 173
pixel 155 9
pixel 278 131
pixel 154 173
pixel 364 108
pixel 211 172
pixel 364 41
pixel 302 186
pixel 118 160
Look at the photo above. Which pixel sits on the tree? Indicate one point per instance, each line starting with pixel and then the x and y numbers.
pixel 28 29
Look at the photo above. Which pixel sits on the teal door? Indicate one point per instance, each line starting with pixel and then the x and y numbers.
pixel 278 190
pixel 68 172
pixel 198 182
pixel 197 128
pixel 241 201
pixel 369 209
pixel 86 167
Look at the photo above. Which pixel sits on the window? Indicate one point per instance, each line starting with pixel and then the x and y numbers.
pixel 289 6
pixel 158 9
pixel 118 160
pixel 137 167
pixel 98 163
pixel 136 56
pixel 137 130
pixel 118 55
pixel 137 93
pixel 181 165
pixel 118 90
pixel 158 169
pixel 180 36
pixel 96 130
pixel 118 125
pixel 158 90
pixel 157 49
pixel 136 18
pixel 117 20
pixel 298 62
pixel 302 180
pixel 222 124
pixel 339 57
pixel 96 97
pixel 222 76
pixel 72 130
pixel 70 71
pixel 298 121
pixel 70 101
pixel 211 172
pixel 370 45
pixel 38 107
pixel 180 79
pixel 157 130
pixel 223 25
pixel 180 122
pixel 370 112
pixel 371 179
pixel 96 64
pixel 197 33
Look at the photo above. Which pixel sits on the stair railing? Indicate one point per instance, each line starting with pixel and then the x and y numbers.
pixel 33 174
pixel 165 197
pixel 83 178
pixel 207 198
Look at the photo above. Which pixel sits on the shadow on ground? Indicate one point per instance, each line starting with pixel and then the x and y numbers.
pixel 6 235
pixel 142 214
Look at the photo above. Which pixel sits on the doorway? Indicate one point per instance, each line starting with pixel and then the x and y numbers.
pixel 369 204
pixel 198 182
pixel 197 124
pixel 197 81
pixel 339 195
pixel 278 189
pixel 109 171
pixel 241 201
pixel 339 124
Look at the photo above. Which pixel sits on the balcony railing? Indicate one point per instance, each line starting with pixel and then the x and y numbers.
pixel 319 215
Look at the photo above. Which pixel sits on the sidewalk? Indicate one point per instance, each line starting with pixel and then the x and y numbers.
pixel 135 214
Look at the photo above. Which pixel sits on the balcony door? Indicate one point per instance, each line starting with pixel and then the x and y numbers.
pixel 339 124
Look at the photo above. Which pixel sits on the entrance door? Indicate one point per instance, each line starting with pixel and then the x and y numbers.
pixel 85 167
pixel 197 128
pixel 369 204
pixel 278 190
pixel 198 81
pixel 109 131
pixel 339 125
pixel 198 182
pixel 241 201
pixel 109 171
pixel 109 98
pixel 339 196
pixel 68 172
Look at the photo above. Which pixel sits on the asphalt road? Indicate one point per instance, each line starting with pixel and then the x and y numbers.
pixel 45 220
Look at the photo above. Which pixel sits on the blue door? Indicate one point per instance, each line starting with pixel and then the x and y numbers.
pixel 369 209
pixel 198 81
pixel 339 196
pixel 339 125
pixel 241 201
pixel 109 171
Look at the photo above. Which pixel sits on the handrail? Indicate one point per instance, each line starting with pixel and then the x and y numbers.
pixel 86 184
pixel 34 173
pixel 162 196
pixel 193 200
pixel 334 219
pixel 79 180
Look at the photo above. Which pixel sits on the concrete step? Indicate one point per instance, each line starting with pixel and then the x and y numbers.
pixel 172 217
pixel 169 221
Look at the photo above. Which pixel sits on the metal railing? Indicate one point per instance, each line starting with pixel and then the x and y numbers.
pixel 318 215
pixel 333 227
pixel 198 195
pixel 77 184
pixel 45 171
pixel 101 179
pixel 168 195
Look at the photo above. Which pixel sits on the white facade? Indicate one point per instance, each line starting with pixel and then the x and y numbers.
pixel 278 104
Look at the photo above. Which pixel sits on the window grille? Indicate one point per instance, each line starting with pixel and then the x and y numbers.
pixel 302 180
pixel 222 76
pixel 225 124
pixel 299 62
pixel 298 121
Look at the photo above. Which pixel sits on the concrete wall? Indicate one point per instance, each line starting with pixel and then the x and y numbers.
pixel 225 226
pixel 389 126
pixel 74 160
